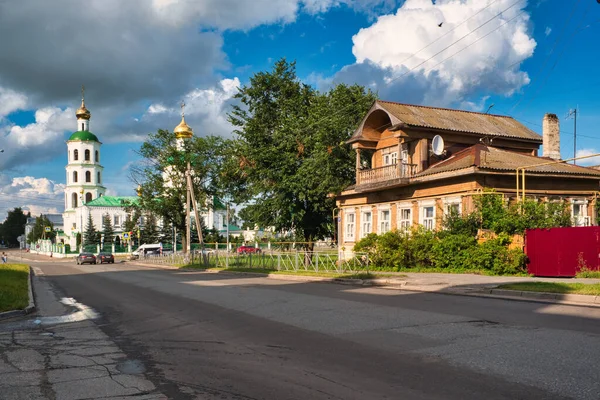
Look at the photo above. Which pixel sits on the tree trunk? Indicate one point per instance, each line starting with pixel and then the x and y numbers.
pixel 308 252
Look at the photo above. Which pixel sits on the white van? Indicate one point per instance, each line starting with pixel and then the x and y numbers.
pixel 146 250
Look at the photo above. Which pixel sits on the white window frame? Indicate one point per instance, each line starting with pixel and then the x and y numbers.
pixel 384 226
pixel 364 232
pixel 427 222
pixel 390 158
pixel 349 227
pixel 579 220
pixel 450 202
pixel 117 221
pixel 404 225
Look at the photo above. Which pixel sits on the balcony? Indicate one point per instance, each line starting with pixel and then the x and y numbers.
pixel 388 175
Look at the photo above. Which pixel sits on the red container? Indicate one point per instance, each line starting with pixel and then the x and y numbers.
pixel 562 251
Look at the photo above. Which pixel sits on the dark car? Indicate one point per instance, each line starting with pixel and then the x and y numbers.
pixel 248 250
pixel 105 258
pixel 86 258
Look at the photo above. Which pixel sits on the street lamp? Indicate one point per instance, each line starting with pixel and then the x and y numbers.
pixel 81 219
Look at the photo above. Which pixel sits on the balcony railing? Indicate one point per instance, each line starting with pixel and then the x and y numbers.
pixel 386 173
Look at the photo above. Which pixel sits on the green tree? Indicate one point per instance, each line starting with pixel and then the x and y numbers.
pixel 39 230
pixel 161 174
pixel 107 230
pixel 149 233
pixel 91 236
pixel 13 226
pixel 291 153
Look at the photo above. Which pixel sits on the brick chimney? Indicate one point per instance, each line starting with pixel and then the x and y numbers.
pixel 551 136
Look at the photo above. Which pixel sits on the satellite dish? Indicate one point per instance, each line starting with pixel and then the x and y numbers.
pixel 437 145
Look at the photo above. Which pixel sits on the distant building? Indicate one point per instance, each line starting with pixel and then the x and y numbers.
pixel 55 219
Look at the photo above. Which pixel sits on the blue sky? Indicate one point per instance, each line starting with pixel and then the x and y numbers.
pixel 540 56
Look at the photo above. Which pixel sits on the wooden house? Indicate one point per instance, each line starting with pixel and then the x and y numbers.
pixel 401 181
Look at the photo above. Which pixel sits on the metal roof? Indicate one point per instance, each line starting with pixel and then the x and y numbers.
pixel 112 201
pixel 493 158
pixel 454 120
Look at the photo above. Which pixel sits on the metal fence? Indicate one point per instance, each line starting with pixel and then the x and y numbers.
pixel 326 261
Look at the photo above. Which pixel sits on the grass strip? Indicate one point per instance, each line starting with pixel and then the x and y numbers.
pixel 592 289
pixel 13 287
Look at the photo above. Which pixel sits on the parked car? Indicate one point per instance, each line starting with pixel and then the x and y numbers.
pixel 86 258
pixel 105 257
pixel 248 250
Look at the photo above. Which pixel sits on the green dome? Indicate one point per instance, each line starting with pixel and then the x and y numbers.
pixel 84 136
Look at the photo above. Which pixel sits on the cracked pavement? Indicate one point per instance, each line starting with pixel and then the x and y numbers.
pixel 67 361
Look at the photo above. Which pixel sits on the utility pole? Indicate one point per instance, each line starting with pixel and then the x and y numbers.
pixel 188 243
pixel 573 113
pixel 227 248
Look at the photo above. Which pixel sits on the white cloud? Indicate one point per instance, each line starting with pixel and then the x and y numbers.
pixel 205 109
pixel 588 161
pixel 11 101
pixel 39 141
pixel 548 31
pixel 37 195
pixel 396 51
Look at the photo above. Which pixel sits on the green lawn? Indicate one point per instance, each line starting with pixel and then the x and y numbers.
pixel 13 287
pixel 555 287
pixel 357 275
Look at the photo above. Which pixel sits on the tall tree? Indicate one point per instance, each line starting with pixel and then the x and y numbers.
pixel 91 235
pixel 161 174
pixel 39 230
pixel 107 230
pixel 13 226
pixel 291 154
pixel 149 233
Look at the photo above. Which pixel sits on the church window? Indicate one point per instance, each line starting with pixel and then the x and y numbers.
pixel 75 175
pixel 82 126
pixel 99 178
pixel 74 200
pixel 87 155
pixel 75 155
pixel 88 176
pixel 88 197
pixel 97 156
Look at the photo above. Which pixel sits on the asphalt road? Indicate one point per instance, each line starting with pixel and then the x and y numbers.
pixel 217 336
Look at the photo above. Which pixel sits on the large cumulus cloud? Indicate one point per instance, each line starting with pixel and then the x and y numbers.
pixel 402 54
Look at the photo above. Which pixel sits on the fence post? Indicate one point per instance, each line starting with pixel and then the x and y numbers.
pixel 279 262
pixel 317 267
pixel 296 261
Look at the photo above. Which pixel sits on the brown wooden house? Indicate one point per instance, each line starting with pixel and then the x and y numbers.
pixel 400 182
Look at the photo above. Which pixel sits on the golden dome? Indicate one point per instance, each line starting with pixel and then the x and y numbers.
pixel 183 130
pixel 82 112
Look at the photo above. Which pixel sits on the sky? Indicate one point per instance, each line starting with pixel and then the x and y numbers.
pixel 138 59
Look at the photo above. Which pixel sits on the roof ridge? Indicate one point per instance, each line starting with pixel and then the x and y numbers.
pixel 446 109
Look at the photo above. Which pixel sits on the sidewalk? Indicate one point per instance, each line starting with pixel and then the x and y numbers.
pixel 61 354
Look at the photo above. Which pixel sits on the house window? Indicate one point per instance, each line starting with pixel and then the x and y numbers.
pixel 428 217
pixel 88 176
pixel 452 206
pixel 350 221
pixel 390 158
pixel 75 155
pixel 75 175
pixel 579 213
pixel 117 221
pixel 88 197
pixel 404 219
pixel 97 156
pixel 98 177
pixel 366 223
pixel 87 155
pixel 384 221
pixel 74 200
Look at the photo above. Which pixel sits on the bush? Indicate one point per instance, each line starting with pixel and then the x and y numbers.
pixel 450 251
pixel 419 247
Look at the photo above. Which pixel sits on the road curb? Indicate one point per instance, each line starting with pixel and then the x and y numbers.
pixel 30 307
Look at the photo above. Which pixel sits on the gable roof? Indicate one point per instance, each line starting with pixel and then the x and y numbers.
pixel 435 118
pixel 112 201
pixel 495 159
